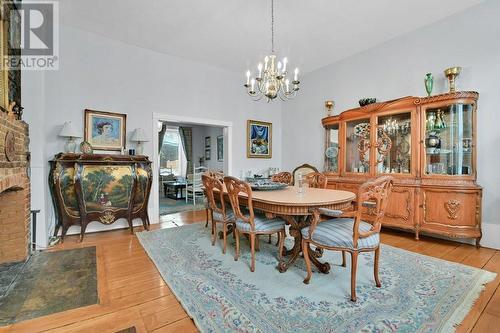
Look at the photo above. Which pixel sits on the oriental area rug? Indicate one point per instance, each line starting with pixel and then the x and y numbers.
pixel 47 283
pixel 418 294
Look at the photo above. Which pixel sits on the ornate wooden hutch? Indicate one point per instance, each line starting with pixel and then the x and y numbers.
pixel 428 145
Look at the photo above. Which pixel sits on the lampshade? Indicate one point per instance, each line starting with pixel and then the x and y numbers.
pixel 69 130
pixel 139 136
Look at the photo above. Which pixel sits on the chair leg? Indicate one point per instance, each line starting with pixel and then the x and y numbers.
pixel 237 252
pixel 281 238
pixel 375 267
pixel 206 213
pixel 269 239
pixel 343 259
pixel 257 243
pixel 214 232
pixel 224 235
pixel 305 252
pixel 354 267
pixel 252 252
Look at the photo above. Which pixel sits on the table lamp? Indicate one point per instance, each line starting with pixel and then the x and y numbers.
pixel 139 136
pixel 70 132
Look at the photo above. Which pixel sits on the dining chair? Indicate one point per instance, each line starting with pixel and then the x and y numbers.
pixel 253 224
pixel 218 175
pixel 316 180
pixel 303 170
pixel 219 212
pixel 347 232
pixel 282 177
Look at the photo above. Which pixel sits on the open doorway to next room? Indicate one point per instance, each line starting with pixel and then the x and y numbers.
pixel 186 151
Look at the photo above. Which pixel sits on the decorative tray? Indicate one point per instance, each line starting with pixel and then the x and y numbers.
pixel 267 186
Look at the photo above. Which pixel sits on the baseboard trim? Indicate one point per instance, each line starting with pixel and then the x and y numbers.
pixel 491 236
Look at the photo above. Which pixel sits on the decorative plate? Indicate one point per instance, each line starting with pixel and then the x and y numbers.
pixel 86 148
pixel 332 151
pixel 267 186
pixel 362 130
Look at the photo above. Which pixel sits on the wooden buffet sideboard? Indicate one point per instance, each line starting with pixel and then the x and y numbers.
pixel 428 144
pixel 103 188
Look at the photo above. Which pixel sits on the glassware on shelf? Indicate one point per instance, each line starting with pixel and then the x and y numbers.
pixel 357 150
pixel 394 143
pixel 448 142
pixel 332 148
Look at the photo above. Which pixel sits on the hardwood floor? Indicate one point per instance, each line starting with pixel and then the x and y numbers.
pixel 132 292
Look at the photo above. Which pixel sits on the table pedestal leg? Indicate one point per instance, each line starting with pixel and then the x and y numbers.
pixel 296 224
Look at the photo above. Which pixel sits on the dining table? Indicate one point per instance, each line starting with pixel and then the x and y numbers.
pixel 294 206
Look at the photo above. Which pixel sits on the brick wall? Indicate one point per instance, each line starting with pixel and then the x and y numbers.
pixel 14 192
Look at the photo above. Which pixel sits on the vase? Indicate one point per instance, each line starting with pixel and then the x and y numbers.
pixel 429 83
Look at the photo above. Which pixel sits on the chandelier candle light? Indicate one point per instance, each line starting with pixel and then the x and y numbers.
pixel 272 80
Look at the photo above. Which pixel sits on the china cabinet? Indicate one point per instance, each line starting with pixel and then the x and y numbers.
pixel 428 144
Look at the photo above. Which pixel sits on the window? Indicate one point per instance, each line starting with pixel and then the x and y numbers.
pixel 172 158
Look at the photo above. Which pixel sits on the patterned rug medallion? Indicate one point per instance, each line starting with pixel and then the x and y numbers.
pixel 51 282
pixel 418 294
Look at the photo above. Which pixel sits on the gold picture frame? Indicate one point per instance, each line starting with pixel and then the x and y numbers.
pixel 259 139
pixel 105 130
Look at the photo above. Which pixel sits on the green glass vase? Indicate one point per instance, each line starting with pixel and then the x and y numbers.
pixel 429 83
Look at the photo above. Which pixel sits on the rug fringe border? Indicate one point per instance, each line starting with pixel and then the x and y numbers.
pixel 458 316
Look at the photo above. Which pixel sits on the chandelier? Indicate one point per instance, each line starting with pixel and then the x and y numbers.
pixel 272 80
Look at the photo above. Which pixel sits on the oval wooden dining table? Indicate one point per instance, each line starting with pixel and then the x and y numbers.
pixel 295 209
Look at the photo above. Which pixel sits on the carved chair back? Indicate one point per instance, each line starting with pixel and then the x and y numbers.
pixel 374 195
pixel 234 188
pixel 304 169
pixel 316 180
pixel 282 177
pixel 214 191
pixel 215 174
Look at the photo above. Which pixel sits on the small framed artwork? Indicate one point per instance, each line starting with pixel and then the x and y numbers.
pixel 105 130
pixel 259 139
pixel 207 142
pixel 220 148
pixel 207 154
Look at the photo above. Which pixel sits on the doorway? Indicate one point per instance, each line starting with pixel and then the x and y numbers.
pixel 187 147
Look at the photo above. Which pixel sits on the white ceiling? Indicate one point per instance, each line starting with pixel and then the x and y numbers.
pixel 235 34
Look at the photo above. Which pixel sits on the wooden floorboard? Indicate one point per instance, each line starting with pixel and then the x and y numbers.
pixel 133 294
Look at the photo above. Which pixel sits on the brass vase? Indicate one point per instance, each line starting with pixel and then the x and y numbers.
pixel 452 73
pixel 329 106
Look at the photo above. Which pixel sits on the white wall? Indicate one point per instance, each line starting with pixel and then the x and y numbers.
pixel 396 69
pixel 103 74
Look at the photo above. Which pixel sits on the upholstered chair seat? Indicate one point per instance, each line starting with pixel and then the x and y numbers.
pixel 220 217
pixel 262 223
pixel 339 233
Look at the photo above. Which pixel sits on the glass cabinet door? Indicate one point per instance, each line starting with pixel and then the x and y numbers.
pixel 332 148
pixel 449 140
pixel 394 144
pixel 357 150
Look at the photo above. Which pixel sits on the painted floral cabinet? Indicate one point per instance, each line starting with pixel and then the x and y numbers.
pixel 428 145
pixel 102 188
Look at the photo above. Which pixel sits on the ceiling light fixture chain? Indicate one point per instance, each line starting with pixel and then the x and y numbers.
pixel 272 26
pixel 272 80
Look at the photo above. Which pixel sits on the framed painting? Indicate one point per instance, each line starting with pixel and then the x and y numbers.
pixel 207 142
pixel 105 130
pixel 259 139
pixel 207 154
pixel 220 148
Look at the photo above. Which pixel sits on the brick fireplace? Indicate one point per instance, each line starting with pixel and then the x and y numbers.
pixel 14 189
